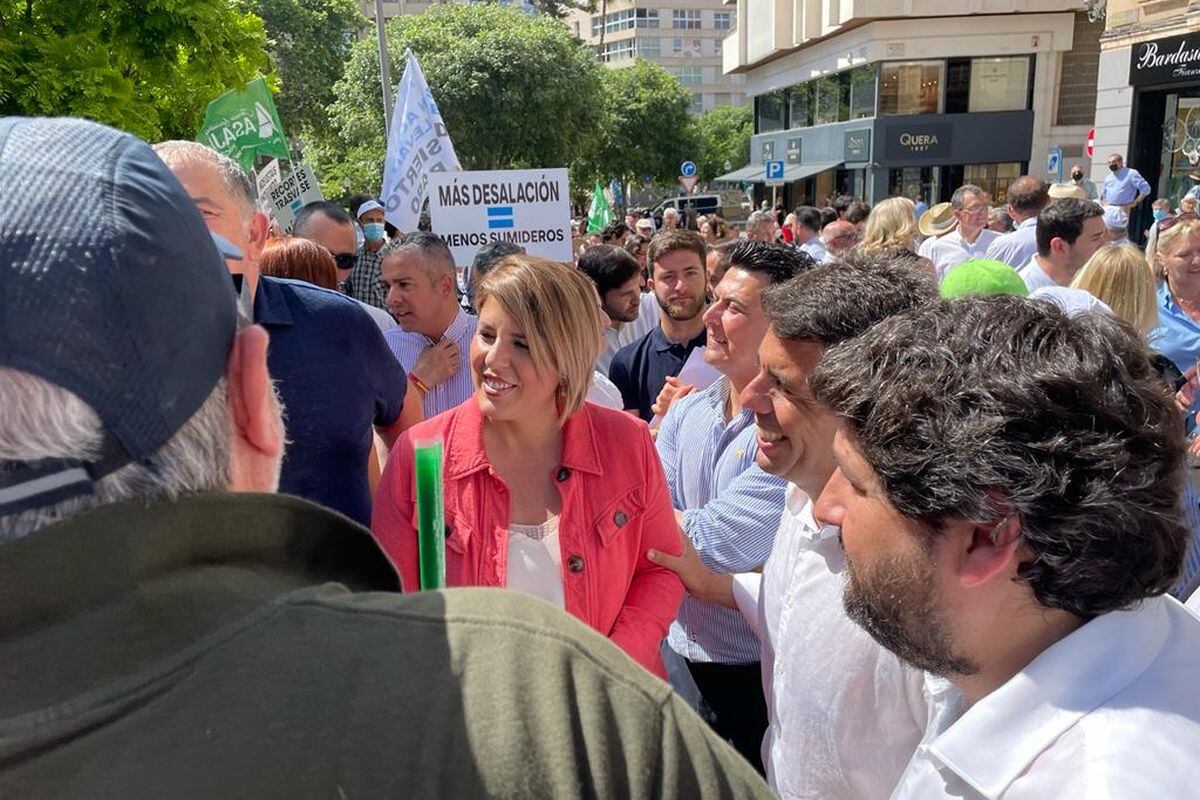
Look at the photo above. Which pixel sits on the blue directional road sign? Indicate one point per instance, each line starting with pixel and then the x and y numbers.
pixel 687 169
pixel 774 171
pixel 1054 163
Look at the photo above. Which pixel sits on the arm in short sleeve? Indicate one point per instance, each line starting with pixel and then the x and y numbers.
pixel 393 518
pixel 734 531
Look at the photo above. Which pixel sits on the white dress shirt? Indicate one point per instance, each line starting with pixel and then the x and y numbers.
pixel 1034 276
pixel 604 392
pixel 952 249
pixel 616 338
pixel 1015 248
pixel 1111 712
pixel 814 247
pixel 845 714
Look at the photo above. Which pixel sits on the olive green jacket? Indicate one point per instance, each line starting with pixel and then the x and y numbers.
pixel 253 646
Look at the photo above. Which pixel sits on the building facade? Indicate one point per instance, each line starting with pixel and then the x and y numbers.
pixel 682 36
pixel 1148 100
pixel 877 98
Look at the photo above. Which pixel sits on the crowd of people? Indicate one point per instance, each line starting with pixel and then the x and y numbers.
pixel 867 502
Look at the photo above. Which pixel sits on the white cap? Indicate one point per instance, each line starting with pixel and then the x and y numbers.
pixel 370 205
pixel 1115 217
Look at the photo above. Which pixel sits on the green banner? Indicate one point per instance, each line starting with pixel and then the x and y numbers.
pixel 242 124
pixel 600 214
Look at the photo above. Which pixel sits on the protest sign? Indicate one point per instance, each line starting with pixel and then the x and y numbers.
pixel 267 178
pixel 292 194
pixel 527 207
pixel 418 146
pixel 242 124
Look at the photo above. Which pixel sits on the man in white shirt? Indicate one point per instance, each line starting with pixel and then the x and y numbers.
pixel 844 723
pixel 1068 233
pixel 971 239
pixel 632 313
pixel 808 233
pixel 1027 196
pixel 433 342
pixel 1007 494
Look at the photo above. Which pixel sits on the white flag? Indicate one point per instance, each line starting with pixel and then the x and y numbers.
pixel 418 144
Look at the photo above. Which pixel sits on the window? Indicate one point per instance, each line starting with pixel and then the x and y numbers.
pixel 697 103
pixel 999 84
pixel 992 178
pixel 722 99
pixel 800 106
pixel 690 47
pixel 768 112
pixel 722 20
pixel 576 26
pixel 827 96
pixel 646 17
pixel 649 47
pixel 689 76
pixel 1079 70
pixel 910 87
pixel 862 92
pixel 615 51
pixel 626 20
pixel 687 18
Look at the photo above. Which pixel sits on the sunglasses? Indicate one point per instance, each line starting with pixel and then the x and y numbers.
pixel 1166 224
pixel 345 260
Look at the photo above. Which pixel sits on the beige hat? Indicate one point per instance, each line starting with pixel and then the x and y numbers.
pixel 1067 191
pixel 937 220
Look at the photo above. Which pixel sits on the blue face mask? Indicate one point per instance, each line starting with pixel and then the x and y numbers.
pixel 1160 214
pixel 373 231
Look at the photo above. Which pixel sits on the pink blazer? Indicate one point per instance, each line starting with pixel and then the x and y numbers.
pixel 615 506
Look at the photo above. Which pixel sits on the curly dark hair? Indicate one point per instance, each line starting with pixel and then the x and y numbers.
pixel 983 407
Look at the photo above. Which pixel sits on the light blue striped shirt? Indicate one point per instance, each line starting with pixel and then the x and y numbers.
pixel 731 512
pixel 407 346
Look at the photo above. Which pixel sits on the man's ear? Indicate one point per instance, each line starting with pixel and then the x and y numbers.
pixel 257 425
pixel 989 550
pixel 257 238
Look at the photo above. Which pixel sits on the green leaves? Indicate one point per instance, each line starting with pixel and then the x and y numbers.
pixel 724 135
pixel 146 67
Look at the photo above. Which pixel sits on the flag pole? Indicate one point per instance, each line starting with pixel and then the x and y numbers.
pixel 385 69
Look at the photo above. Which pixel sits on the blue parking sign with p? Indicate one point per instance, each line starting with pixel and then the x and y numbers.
pixel 774 170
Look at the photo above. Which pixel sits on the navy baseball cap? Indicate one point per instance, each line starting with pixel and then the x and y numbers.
pixel 111 287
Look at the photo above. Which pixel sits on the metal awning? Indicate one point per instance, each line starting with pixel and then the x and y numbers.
pixel 798 172
pixel 751 174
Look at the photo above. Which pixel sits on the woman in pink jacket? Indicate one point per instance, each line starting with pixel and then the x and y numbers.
pixel 544 492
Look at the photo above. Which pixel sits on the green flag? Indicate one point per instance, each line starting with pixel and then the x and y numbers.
pixel 600 214
pixel 243 123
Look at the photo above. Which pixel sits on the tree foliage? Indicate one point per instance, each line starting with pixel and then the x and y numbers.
pixel 308 42
pixel 724 134
pixel 515 91
pixel 648 130
pixel 146 67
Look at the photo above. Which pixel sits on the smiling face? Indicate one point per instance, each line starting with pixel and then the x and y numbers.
pixel 508 386
pixel 893 576
pixel 735 323
pixel 795 432
pixel 1180 261
pixel 679 284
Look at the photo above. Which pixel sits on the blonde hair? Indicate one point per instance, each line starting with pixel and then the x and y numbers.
pixel 555 306
pixel 1120 276
pixel 891 224
pixel 1167 237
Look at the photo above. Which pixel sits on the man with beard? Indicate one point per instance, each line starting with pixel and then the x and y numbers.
pixel 678 280
pixel 618 279
pixel 842 726
pixel 1007 491
pixel 728 507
